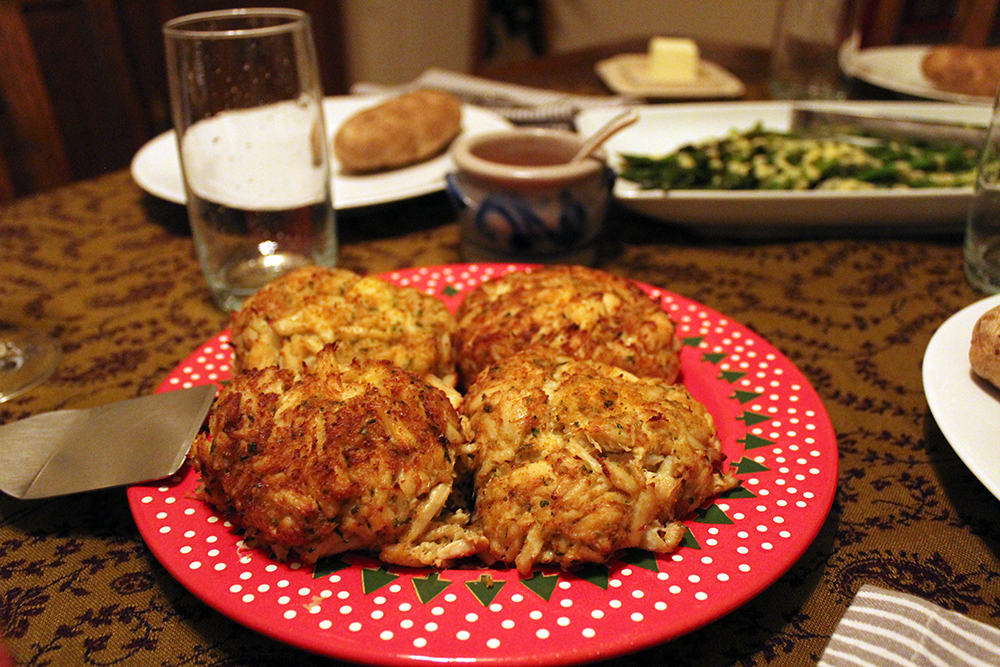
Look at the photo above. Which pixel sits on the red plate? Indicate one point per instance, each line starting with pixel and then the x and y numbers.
pixel 774 430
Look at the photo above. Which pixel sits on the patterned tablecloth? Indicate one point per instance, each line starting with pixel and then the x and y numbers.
pixel 111 273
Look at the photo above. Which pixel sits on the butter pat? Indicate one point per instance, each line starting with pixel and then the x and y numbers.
pixel 672 60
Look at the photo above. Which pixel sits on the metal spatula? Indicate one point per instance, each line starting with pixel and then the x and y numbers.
pixel 70 451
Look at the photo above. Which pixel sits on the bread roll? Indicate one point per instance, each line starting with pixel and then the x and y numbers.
pixel 398 132
pixel 984 352
pixel 964 70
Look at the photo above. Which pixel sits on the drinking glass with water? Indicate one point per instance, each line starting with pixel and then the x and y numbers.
pixel 247 106
pixel 982 230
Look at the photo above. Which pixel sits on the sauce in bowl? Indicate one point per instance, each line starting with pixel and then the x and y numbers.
pixel 526 151
pixel 521 198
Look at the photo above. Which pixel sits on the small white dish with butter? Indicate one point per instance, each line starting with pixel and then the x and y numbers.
pixel 671 68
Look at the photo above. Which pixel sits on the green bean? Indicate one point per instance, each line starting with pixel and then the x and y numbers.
pixel 760 159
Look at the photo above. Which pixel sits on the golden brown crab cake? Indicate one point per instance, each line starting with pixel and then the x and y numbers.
pixel 288 321
pixel 341 457
pixel 577 460
pixel 578 311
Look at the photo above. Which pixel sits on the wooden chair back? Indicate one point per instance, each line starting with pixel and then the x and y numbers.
pixel 967 22
pixel 32 153
pixel 83 82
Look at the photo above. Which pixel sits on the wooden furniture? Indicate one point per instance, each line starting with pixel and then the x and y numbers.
pixel 968 22
pixel 32 153
pixel 974 22
pixel 100 65
pixel 84 68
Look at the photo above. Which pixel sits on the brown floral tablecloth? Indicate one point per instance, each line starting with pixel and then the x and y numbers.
pixel 111 273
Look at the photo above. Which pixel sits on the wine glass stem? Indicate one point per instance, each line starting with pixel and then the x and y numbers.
pixel 11 357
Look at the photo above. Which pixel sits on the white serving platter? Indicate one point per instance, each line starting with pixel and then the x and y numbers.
pixel 661 129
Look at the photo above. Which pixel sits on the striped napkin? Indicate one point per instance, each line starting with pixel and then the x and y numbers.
pixel 517 103
pixel 883 628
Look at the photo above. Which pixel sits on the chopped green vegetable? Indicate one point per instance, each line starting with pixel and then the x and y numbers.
pixel 767 160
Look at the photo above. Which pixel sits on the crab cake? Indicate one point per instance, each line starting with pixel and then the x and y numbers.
pixel 340 457
pixel 577 460
pixel 293 317
pixel 580 312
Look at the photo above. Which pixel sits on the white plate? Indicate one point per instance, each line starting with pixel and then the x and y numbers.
pixel 156 167
pixel 898 68
pixel 965 407
pixel 626 74
pixel 662 129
